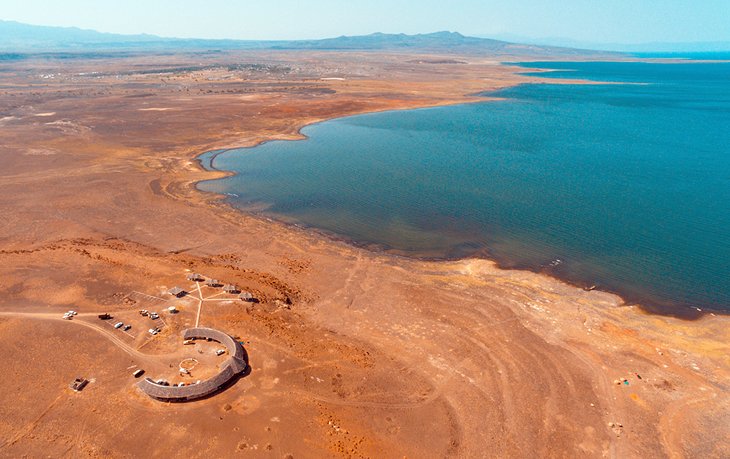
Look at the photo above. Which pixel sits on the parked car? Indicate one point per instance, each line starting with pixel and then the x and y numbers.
pixel 220 352
pixel 138 373
pixel 127 327
pixel 154 315
pixel 118 325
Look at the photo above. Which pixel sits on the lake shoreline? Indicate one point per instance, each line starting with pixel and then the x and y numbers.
pixel 205 161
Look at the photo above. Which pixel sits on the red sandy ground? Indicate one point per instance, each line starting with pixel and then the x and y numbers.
pixel 375 356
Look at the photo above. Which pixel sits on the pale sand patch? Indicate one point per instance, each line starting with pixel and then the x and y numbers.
pixel 40 152
pixel 45 114
pixel 69 126
pixel 155 109
pixel 333 78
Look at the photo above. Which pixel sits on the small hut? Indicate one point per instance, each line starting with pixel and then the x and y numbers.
pixel 195 277
pixel 230 288
pixel 247 296
pixel 213 283
pixel 79 383
pixel 177 292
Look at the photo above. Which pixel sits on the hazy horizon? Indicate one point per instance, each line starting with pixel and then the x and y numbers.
pixel 623 22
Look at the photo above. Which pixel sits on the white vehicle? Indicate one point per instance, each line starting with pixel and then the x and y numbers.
pixel 153 331
pixel 154 315
pixel 119 325
pixel 220 352
pixel 73 313
pixel 67 316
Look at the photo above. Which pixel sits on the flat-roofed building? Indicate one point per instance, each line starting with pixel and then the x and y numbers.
pixel 177 292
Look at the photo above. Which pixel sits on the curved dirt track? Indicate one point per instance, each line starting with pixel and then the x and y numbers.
pixel 108 334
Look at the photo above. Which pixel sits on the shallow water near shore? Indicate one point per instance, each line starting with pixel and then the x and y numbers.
pixel 625 187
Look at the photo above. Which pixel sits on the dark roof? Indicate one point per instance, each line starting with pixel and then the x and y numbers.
pixel 79 384
pixel 231 367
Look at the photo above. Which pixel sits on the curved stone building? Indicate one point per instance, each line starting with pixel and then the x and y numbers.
pixel 233 366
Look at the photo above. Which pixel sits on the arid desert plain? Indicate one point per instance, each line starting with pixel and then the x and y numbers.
pixel 352 353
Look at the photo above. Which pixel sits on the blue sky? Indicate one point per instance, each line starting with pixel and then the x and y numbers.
pixel 616 21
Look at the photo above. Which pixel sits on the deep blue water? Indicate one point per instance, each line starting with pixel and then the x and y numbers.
pixel 625 186
pixel 697 55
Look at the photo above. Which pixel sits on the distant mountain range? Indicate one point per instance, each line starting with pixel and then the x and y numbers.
pixel 653 47
pixel 18 37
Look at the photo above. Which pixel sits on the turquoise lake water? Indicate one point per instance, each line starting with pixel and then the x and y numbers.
pixel 622 186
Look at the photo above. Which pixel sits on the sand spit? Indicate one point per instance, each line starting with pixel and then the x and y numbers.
pixel 352 353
